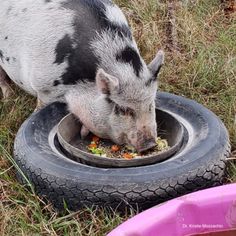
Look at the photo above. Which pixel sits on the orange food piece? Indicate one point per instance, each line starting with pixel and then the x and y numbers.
pixel 127 155
pixel 115 148
pixel 92 145
pixel 95 139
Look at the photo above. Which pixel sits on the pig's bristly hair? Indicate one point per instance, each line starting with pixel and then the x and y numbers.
pixel 130 55
pixel 100 38
pixel 91 17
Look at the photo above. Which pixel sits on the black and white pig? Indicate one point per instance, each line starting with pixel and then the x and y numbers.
pixel 81 52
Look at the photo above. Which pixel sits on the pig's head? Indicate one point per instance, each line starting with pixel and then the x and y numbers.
pixel 121 108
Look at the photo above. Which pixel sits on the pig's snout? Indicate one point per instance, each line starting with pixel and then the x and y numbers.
pixel 146 145
pixel 143 139
pixel 146 138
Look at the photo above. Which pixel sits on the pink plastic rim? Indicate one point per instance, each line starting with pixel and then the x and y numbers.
pixel 213 209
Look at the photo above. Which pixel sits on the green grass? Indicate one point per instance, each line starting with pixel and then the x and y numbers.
pixel 204 69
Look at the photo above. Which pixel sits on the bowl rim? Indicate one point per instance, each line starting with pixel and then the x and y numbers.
pixel 90 158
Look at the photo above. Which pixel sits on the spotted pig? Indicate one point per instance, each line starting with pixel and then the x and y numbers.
pixel 81 52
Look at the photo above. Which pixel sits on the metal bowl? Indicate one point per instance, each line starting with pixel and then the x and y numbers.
pixel 68 133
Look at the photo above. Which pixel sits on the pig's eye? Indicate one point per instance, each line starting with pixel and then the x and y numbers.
pixel 130 112
pixel 124 111
pixel 109 100
pixel 119 110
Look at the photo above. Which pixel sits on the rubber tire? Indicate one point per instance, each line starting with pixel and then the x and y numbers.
pixel 62 181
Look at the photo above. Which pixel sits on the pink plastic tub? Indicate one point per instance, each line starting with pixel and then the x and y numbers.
pixel 209 210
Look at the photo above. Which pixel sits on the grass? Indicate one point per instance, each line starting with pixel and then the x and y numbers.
pixel 202 68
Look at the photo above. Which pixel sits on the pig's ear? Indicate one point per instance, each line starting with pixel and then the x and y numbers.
pixel 156 64
pixel 106 83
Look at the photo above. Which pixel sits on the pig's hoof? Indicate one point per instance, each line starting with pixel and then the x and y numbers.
pixel 39 105
pixel 6 92
pixel 84 132
pixel 63 179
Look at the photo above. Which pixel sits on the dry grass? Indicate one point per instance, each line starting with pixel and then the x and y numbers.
pixel 202 67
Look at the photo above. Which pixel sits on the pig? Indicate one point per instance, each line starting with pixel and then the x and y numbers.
pixel 82 52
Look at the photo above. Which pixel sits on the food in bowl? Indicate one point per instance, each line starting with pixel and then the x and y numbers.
pixel 100 148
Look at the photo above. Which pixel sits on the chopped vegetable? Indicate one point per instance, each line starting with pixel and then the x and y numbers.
pixel 99 147
pixel 95 139
pixel 127 155
pixel 115 148
pixel 97 151
pixel 162 144
pixel 92 145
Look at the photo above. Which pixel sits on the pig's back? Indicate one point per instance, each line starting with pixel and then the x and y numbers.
pixel 29 33
pixel 47 43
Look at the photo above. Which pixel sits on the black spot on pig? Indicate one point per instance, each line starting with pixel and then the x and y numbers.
pixel 81 60
pixel 56 82
pixel 123 30
pixel 63 49
pixel 89 18
pixel 1 55
pixel 129 55
pixel 24 10
pixel 92 13
pixel 6 38
pixel 109 100
pixel 81 67
pixel 7 59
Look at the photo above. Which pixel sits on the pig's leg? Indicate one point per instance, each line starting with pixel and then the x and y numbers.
pixel 39 104
pixel 4 84
pixel 84 132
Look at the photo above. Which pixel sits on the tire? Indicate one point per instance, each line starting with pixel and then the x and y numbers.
pixel 199 164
